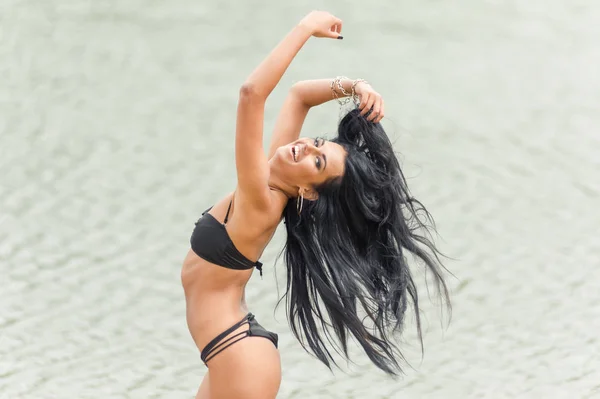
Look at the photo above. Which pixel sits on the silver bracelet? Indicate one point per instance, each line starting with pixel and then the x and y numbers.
pixel 354 83
pixel 337 83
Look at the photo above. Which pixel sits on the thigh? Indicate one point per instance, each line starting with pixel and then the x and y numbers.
pixel 249 369
pixel 204 390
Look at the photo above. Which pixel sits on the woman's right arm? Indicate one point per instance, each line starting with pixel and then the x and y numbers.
pixel 251 162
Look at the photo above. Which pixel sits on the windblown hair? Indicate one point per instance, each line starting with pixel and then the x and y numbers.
pixel 346 252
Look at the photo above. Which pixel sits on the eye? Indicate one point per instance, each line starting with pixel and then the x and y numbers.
pixel 318 162
pixel 318 142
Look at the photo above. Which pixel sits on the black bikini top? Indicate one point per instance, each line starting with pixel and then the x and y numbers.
pixel 210 241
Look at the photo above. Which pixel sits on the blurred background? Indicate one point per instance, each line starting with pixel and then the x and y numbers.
pixel 116 131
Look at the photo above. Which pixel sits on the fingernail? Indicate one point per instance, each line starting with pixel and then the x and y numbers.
pixel 340 37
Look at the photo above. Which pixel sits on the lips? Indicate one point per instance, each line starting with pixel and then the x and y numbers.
pixel 295 152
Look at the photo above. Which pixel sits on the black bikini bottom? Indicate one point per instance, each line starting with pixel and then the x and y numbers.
pixel 222 341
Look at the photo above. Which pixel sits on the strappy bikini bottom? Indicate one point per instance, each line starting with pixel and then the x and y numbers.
pixel 224 341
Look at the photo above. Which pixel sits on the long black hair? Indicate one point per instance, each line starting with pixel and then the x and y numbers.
pixel 345 252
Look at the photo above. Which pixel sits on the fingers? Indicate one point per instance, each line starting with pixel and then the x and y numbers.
pixel 323 24
pixel 366 104
pixel 338 24
pixel 362 104
pixel 336 29
pixel 375 110
pixel 381 112
pixel 372 106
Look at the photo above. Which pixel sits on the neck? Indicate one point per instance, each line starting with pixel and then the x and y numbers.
pixel 278 184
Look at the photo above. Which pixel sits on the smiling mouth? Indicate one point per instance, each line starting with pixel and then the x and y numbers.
pixel 294 153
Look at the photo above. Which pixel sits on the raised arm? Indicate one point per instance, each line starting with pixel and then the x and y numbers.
pixel 310 93
pixel 251 162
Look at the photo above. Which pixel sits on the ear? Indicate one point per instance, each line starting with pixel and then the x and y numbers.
pixel 308 193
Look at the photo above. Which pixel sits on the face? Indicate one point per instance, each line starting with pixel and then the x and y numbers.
pixel 308 162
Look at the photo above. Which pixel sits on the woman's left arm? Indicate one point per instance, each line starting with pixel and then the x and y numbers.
pixel 309 93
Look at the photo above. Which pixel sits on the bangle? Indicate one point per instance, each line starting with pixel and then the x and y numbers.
pixel 337 83
pixel 341 87
pixel 356 82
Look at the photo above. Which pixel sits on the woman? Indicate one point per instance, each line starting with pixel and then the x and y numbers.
pixel 349 218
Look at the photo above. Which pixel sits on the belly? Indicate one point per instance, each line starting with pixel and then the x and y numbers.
pixel 214 297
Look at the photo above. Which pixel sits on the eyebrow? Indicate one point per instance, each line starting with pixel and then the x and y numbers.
pixel 324 156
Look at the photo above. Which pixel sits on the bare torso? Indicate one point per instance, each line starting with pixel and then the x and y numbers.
pixel 214 294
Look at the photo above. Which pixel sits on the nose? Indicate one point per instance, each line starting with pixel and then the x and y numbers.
pixel 311 148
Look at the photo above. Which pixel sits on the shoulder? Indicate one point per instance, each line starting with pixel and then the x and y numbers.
pixel 264 209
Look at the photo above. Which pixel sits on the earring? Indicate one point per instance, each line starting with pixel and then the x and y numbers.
pixel 299 203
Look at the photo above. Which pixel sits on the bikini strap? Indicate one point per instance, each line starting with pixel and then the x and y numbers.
pixel 222 341
pixel 228 209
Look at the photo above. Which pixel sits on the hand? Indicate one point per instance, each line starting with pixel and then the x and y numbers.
pixel 370 100
pixel 322 24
